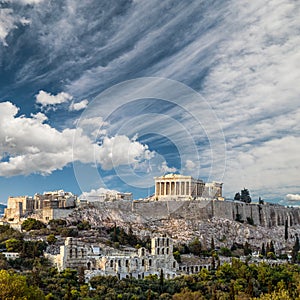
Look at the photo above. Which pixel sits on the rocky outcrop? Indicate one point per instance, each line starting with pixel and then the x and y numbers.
pixel 185 220
pixel 266 215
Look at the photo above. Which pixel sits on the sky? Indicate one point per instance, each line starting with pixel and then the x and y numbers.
pixel 99 95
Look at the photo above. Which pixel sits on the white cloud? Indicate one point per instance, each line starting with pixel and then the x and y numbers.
pixel 39 117
pixel 253 87
pixel 164 168
pixel 96 192
pixel 79 105
pixel 249 59
pixel 30 146
pixel 94 127
pixel 268 169
pixel 7 23
pixel 292 197
pixel 120 150
pixel 30 1
pixel 46 99
pixel 189 165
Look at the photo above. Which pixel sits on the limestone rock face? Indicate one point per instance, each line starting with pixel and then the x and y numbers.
pixel 185 220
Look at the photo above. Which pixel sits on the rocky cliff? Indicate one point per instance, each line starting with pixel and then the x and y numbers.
pixel 184 220
pixel 266 215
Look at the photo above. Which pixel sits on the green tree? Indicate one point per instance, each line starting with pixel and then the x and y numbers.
pixel 32 249
pixel 69 232
pixel 237 197
pixel 14 245
pixel 177 256
pixel 247 249
pixel 187 294
pixel 14 286
pixel 263 250
pixel 250 221
pixel 286 230
pixel 195 247
pixel 3 262
pixel 271 255
pixel 51 239
pixel 32 224
pixel 295 250
pixel 57 225
pixel 225 252
pixel 212 244
pixel 245 196
pixel 272 248
pixel 84 225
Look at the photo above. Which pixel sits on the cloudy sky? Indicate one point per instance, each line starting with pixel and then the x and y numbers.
pixel 109 94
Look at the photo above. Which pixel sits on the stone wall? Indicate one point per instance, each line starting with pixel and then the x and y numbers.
pixel 55 213
pixel 267 215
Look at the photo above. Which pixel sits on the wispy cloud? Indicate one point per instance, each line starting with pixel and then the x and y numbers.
pixel 253 88
pixel 242 57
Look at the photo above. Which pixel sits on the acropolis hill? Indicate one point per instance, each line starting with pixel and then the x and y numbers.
pixel 176 197
pixel 144 211
pixel 182 208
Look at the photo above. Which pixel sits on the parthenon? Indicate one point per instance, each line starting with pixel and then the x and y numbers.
pixel 180 186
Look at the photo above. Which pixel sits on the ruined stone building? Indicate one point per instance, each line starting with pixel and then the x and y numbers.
pixel 175 186
pixel 41 206
pixel 18 207
pixel 55 199
pixel 137 264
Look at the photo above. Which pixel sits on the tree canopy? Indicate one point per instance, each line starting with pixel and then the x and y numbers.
pixel 244 196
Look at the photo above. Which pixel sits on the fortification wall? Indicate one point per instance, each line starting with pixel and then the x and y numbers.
pixel 267 215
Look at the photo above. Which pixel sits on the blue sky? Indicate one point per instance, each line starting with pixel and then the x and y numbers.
pixel 109 94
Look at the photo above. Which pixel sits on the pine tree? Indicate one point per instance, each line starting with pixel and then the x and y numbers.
pixel 286 232
pixel 247 249
pixel 245 196
pixel 272 248
pixel 296 249
pixel 161 279
pixel 237 197
pixel 260 201
pixel 212 244
pixel 213 262
pixel 263 250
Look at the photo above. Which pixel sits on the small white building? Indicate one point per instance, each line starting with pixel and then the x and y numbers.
pixel 11 255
